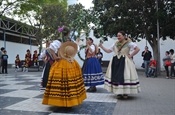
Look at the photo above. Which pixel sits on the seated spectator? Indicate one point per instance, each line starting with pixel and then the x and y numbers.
pixel 167 63
pixel 152 68
pixel 17 62
pixel 35 58
pixel 27 61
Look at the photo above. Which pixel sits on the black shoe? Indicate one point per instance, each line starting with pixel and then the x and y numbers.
pixel 42 88
pixel 119 96
pixel 125 96
pixel 91 89
pixel 88 89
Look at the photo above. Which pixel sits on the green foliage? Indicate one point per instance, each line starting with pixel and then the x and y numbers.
pixel 47 15
pixel 75 16
pixel 26 6
pixel 53 16
pixel 7 5
pixel 80 19
pixel 137 17
pixel 44 15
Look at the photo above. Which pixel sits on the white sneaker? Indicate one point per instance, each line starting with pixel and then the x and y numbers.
pixel 24 69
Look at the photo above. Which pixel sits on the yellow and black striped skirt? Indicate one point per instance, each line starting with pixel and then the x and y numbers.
pixel 65 87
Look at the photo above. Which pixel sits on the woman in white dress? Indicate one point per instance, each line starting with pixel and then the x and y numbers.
pixel 121 76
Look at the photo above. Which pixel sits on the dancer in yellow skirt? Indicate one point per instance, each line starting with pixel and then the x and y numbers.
pixel 65 87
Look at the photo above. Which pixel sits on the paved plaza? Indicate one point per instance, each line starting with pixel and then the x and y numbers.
pixel 20 95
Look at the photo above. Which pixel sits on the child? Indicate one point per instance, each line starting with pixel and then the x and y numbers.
pixel 152 67
pixel 35 58
pixel 4 59
pixel 27 61
pixel 17 62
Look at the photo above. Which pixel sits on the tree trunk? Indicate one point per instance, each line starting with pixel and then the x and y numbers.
pixel 156 54
pixel 155 51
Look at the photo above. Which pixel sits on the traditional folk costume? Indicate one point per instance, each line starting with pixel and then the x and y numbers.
pixel 65 87
pixel 27 61
pixel 17 63
pixel 55 45
pixel 35 58
pixel 44 58
pixel 92 72
pixel 121 76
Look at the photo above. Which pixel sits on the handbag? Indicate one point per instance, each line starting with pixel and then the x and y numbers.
pixel 167 63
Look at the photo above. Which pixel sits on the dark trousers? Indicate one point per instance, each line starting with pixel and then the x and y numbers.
pixel 46 74
pixel 167 70
pixel 172 69
pixel 35 63
pixel 4 66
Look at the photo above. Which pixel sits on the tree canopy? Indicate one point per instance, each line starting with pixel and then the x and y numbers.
pixel 24 6
pixel 7 5
pixel 44 15
pixel 138 18
pixel 80 18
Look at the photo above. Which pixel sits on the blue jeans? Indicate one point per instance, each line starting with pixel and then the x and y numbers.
pixel 146 66
pixel 151 72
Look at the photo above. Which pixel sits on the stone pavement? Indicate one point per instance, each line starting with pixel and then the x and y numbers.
pixel 157 98
pixel 20 95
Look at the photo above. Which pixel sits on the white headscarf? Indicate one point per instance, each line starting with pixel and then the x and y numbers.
pixel 55 45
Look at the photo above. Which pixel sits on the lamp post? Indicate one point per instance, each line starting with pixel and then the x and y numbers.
pixel 158 41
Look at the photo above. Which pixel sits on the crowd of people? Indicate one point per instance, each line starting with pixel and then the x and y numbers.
pixel 28 61
pixel 169 61
pixel 150 64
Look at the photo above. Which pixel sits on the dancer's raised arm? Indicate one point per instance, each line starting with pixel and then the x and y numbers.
pixel 105 49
